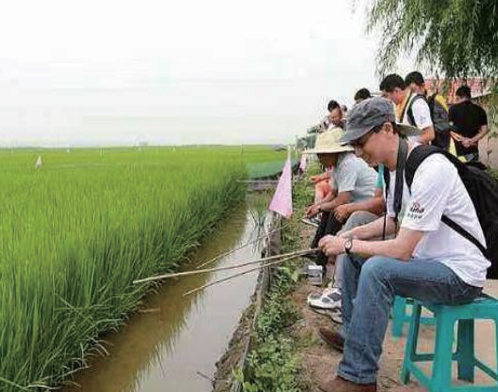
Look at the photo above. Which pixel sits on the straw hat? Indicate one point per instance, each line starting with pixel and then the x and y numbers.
pixel 329 142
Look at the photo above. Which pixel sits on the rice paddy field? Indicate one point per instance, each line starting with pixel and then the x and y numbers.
pixel 77 231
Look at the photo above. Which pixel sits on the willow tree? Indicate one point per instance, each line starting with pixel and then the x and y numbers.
pixel 458 38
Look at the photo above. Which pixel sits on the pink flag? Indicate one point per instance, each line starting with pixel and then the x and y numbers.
pixel 282 199
pixel 304 163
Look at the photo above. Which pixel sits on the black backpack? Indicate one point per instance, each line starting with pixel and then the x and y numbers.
pixel 439 117
pixel 482 189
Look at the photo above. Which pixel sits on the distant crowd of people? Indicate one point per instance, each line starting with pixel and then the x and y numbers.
pixel 390 186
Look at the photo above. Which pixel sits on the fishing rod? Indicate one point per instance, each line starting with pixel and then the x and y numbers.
pixel 207 270
pixel 239 274
pixel 241 246
pixel 246 244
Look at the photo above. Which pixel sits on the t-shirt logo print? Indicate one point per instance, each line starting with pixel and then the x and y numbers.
pixel 416 211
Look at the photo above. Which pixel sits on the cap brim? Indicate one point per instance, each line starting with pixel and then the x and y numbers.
pixel 355 134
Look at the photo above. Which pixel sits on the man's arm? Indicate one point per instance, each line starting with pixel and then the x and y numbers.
pixel 320 177
pixel 482 132
pixel 374 205
pixel 427 203
pixel 342 198
pixel 371 230
pixel 400 248
pixel 315 208
pixel 423 121
pixel 428 135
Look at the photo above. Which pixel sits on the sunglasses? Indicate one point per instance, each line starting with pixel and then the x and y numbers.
pixel 364 139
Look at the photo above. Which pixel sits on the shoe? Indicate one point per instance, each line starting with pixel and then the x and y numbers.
pixel 332 338
pixel 336 316
pixel 310 221
pixel 339 384
pixel 330 299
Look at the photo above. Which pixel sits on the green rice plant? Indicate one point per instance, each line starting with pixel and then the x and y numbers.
pixel 258 206
pixel 76 232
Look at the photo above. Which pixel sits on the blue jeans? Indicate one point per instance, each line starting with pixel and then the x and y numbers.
pixel 368 294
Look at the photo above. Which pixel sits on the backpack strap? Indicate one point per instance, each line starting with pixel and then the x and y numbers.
pixel 431 102
pixel 400 175
pixel 417 156
pixel 409 109
pixel 387 180
pixel 398 186
pixel 464 233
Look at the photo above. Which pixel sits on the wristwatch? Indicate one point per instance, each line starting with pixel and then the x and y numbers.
pixel 348 245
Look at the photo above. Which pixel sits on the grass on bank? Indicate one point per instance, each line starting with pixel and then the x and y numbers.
pixel 273 364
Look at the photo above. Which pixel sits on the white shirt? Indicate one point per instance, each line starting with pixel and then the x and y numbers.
pixel 421 114
pixel 352 174
pixel 436 190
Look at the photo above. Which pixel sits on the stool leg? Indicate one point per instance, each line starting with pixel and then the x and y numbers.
pixel 443 353
pixel 465 350
pixel 399 313
pixel 496 344
pixel 411 342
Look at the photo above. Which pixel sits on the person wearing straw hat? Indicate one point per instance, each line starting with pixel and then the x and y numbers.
pixel 353 182
pixel 425 260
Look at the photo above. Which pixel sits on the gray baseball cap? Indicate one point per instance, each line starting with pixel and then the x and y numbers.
pixel 369 113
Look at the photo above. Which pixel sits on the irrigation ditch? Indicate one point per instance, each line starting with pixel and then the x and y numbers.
pixel 259 356
pixel 175 342
pixel 236 356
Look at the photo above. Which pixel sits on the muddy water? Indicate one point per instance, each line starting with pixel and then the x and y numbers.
pixel 176 339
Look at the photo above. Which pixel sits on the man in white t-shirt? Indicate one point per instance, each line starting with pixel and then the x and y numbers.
pixel 425 260
pixel 411 109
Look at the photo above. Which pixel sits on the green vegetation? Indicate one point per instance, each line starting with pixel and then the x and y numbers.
pixel 457 37
pixel 273 364
pixel 263 162
pixel 76 232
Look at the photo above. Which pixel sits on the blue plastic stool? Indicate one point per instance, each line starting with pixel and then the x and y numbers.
pixel 401 316
pixel 483 308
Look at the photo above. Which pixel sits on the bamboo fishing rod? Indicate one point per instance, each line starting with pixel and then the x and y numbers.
pixel 239 274
pixel 216 258
pixel 244 245
pixel 207 270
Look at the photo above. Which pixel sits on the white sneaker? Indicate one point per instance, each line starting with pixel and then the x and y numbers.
pixel 330 299
pixel 310 222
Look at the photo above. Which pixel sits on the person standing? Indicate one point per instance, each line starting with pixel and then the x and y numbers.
pixel 411 109
pixel 437 107
pixel 469 124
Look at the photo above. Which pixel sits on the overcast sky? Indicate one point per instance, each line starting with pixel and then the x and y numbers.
pixel 176 72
